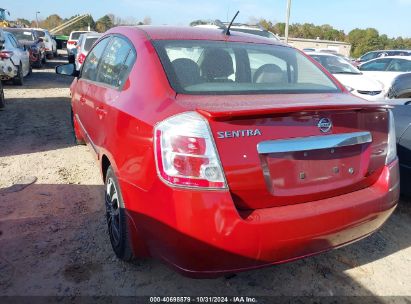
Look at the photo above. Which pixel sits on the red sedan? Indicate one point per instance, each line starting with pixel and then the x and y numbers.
pixel 223 153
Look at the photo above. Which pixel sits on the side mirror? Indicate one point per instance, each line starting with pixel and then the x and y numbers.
pixel 41 40
pixel 68 69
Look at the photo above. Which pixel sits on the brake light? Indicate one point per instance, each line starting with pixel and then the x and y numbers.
pixel 392 140
pixel 186 154
pixel 71 42
pixel 81 58
pixel 6 54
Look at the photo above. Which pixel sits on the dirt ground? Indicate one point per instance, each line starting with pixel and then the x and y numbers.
pixel 53 238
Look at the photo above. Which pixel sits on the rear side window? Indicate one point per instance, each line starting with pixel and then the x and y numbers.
pixel 90 66
pixel 116 62
pixel 89 43
pixel 399 65
pixel 376 65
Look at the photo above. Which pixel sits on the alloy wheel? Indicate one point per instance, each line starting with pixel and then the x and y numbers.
pixel 113 212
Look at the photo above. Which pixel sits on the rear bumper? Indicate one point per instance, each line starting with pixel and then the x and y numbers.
pixel 202 234
pixel 7 71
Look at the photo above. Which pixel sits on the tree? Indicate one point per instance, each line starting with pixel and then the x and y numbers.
pixel 23 22
pixel 51 22
pixel 104 23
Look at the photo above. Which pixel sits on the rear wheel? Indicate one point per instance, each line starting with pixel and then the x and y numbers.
pixel 117 225
pixel 2 101
pixel 18 80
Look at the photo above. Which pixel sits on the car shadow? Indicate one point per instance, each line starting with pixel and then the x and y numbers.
pixel 44 78
pixel 63 232
pixel 30 125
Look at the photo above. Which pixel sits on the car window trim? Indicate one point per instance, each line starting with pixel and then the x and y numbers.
pixel 132 48
pixel 109 37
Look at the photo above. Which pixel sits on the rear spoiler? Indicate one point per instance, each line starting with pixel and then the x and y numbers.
pixel 241 113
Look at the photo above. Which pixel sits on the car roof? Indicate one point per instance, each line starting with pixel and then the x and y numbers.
pixel 321 54
pixel 199 33
pixel 91 35
pixel 393 57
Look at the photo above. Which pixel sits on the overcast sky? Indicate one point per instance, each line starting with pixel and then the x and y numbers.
pixel 389 17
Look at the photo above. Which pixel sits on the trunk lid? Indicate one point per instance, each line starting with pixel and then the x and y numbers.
pixel 277 150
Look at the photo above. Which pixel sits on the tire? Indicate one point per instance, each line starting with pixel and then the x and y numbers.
pixel 30 70
pixel 44 60
pixel 19 79
pixel 2 101
pixel 39 63
pixel 117 225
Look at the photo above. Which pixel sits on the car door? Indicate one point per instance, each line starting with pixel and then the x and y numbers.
pixel 22 53
pixel 376 69
pixel 105 93
pixel 396 67
pixel 83 107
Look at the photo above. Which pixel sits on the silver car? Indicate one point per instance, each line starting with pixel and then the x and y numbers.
pixel 49 42
pixel 85 43
pixel 15 60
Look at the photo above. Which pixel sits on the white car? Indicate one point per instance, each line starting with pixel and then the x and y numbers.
pixel 84 44
pixel 359 84
pixel 243 28
pixel 49 43
pixel 386 69
pixel 72 43
pixel 15 61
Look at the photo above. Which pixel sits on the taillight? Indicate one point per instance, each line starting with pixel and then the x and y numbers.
pixel 186 154
pixel 71 42
pixel 6 54
pixel 81 58
pixel 392 140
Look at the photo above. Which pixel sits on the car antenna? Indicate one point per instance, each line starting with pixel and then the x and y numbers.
pixel 227 31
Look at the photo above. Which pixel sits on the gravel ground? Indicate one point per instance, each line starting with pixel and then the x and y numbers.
pixel 53 238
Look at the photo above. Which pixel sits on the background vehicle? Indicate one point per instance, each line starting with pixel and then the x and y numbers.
pixel 239 149
pixel 400 87
pixel 15 58
pixel 35 44
pixel 72 43
pixel 3 18
pixel 243 28
pixel 350 76
pixel 85 43
pixel 382 53
pixel 385 69
pixel 49 43
pixel 402 114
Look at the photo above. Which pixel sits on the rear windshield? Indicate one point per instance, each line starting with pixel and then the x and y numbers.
pixel 89 43
pixel 76 35
pixel 336 65
pixel 213 67
pixel 40 34
pixel 23 35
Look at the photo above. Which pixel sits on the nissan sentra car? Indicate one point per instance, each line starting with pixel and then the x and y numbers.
pixel 224 153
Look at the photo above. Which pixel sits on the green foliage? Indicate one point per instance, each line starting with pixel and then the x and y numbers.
pixel 362 40
pixel 104 24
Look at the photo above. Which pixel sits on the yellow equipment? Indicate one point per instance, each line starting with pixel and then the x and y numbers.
pixel 3 18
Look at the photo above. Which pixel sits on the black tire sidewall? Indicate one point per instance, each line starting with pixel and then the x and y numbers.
pixel 18 80
pixel 123 250
pixel 2 100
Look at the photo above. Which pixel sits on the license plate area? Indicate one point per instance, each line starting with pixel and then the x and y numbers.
pixel 340 161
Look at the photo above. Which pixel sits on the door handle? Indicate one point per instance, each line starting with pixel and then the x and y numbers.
pixel 82 100
pixel 101 112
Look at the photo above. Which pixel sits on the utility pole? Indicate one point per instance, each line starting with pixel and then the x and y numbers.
pixel 37 19
pixel 287 20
